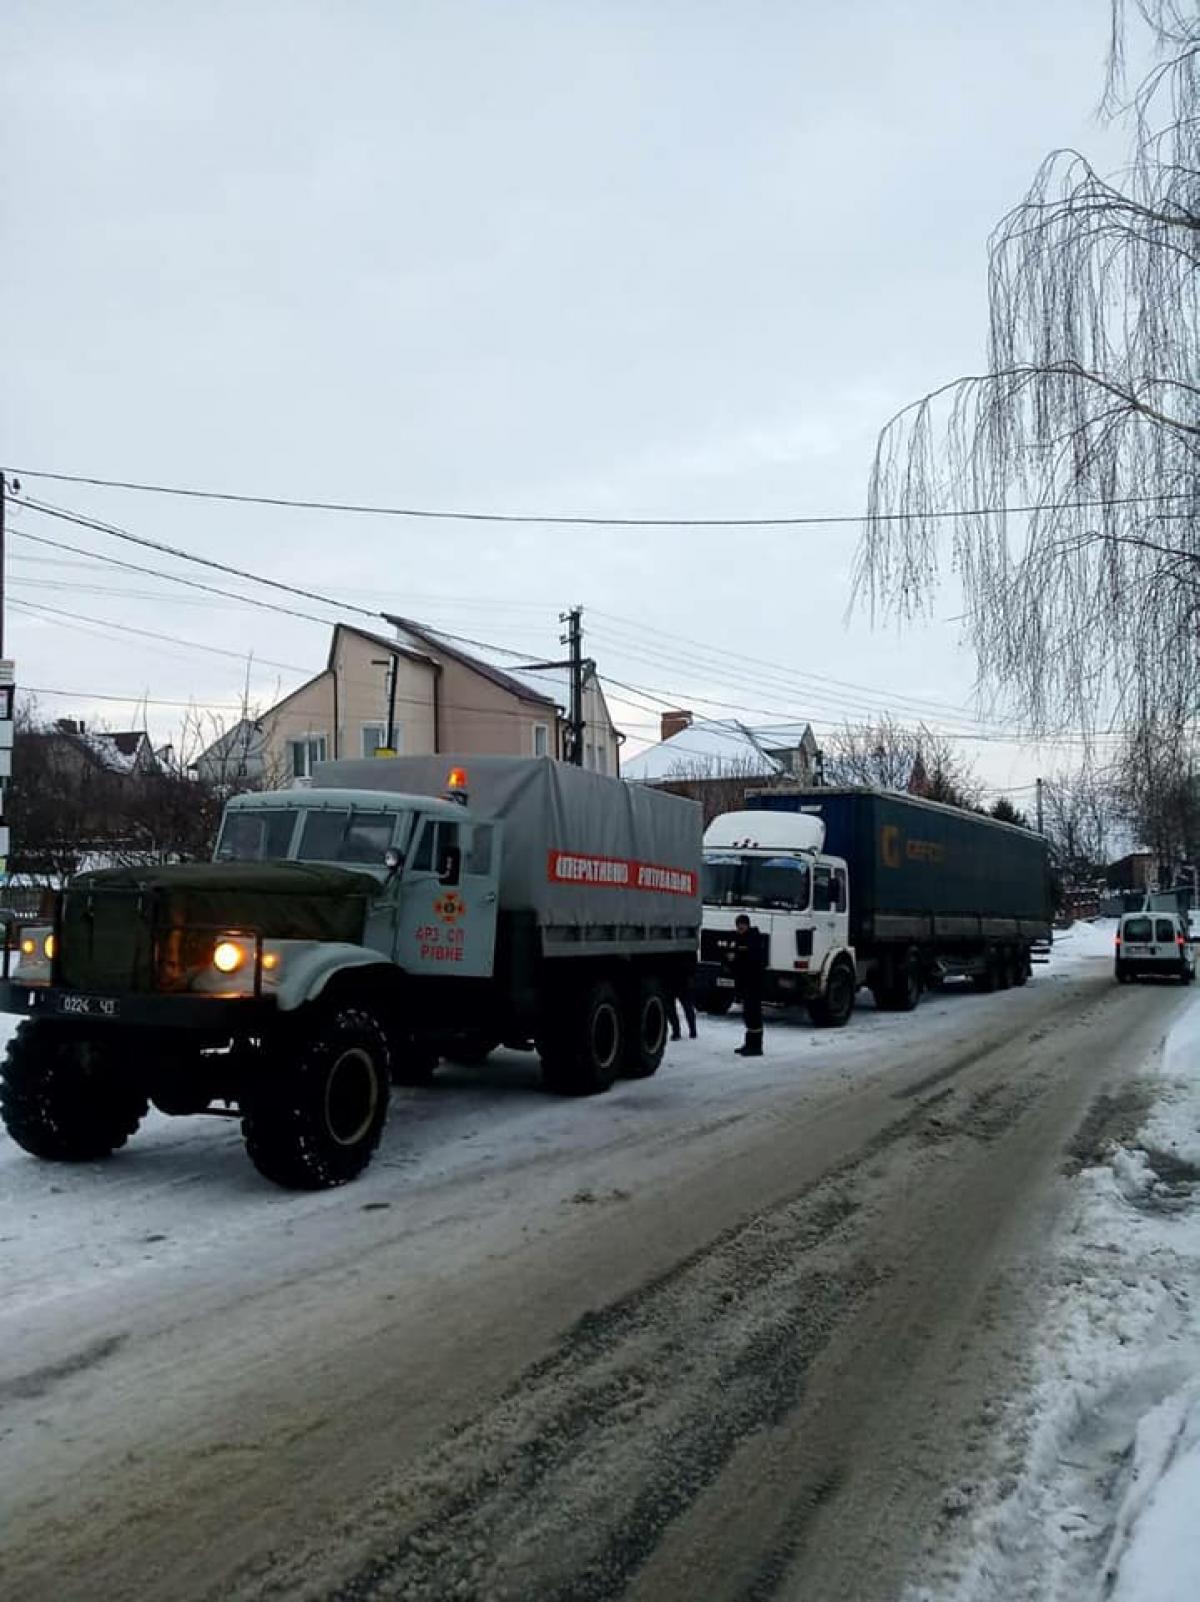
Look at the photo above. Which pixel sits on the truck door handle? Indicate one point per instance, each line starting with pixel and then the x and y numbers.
pixel 489 898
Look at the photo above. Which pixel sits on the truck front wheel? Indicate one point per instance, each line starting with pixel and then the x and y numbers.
pixel 65 1095
pixel 582 1048
pixel 646 1030
pixel 314 1118
pixel 832 1009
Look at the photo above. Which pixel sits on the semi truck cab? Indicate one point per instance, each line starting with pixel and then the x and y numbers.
pixel 771 866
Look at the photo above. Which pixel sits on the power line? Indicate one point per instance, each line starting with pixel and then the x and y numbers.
pixel 158 572
pixel 190 556
pixel 56 613
pixel 572 519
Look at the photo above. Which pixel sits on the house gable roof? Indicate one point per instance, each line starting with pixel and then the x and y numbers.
pixel 716 748
pixel 394 646
pixel 487 670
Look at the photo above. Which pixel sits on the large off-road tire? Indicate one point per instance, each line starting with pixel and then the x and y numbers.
pixel 646 1030
pixel 66 1095
pixel 1021 971
pixel 314 1118
pixel 716 1003
pixel 1122 974
pixel 832 1009
pixel 1004 970
pixel 582 1047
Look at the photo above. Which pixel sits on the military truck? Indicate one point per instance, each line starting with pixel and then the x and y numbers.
pixel 348 936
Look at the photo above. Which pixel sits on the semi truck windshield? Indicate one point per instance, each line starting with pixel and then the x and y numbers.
pixel 737 881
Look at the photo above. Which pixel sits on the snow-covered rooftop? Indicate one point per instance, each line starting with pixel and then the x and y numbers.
pixel 707 750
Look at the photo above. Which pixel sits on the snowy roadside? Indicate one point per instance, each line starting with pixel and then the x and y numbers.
pixel 1100 1493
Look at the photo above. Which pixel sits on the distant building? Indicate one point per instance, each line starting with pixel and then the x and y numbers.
pixel 445 698
pixel 716 761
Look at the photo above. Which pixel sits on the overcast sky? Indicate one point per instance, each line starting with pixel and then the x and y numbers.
pixel 653 258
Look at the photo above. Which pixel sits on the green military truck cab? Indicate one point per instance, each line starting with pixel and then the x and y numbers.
pixel 345 937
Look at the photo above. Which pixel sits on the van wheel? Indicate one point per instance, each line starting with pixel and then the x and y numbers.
pixel 65 1095
pixel 645 1031
pixel 581 1052
pixel 315 1116
pixel 832 1010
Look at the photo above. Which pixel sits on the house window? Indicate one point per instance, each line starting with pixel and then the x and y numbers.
pixel 541 739
pixel 374 735
pixel 306 753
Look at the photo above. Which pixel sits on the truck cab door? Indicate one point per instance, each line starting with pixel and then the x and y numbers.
pixel 446 922
pixel 830 911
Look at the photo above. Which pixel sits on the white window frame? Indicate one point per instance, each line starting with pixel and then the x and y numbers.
pixel 316 749
pixel 542 729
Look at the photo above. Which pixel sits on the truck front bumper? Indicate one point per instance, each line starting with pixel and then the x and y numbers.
pixel 220 1015
pixel 712 978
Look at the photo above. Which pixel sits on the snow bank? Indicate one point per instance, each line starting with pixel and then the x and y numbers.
pixel 1107 1500
pixel 1155 1553
pixel 1083 942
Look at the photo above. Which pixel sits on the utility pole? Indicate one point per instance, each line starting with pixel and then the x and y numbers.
pixel 1041 813
pixel 573 639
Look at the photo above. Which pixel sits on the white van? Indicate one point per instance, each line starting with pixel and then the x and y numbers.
pixel 1155 943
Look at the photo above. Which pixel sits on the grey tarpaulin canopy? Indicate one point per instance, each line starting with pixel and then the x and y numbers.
pixel 580 849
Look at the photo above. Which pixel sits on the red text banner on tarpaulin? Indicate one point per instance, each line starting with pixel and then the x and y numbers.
pixel 620 873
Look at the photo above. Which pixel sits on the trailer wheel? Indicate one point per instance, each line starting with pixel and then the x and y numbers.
pixel 65 1095
pixel 315 1117
pixel 581 1052
pixel 1022 969
pixel 988 978
pixel 1004 969
pixel 645 1030
pixel 832 1009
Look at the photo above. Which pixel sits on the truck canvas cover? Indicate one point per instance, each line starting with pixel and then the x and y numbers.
pixel 112 920
pixel 582 852
pixel 914 861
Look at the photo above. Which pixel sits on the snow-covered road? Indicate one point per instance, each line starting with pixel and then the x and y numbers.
pixel 728 1332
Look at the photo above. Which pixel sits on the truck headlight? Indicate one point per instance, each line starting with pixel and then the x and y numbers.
pixel 228 956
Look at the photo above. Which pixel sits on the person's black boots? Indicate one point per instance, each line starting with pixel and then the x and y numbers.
pixel 752 1045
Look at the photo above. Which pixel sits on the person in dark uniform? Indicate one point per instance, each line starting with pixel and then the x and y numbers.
pixel 681 996
pixel 748 962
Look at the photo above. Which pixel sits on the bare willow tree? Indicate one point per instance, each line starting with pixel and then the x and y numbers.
pixel 1063 483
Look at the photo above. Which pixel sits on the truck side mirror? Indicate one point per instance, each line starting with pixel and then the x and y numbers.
pixel 393 861
pixel 451 866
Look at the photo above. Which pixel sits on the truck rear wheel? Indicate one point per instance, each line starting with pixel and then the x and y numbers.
pixel 581 1052
pixel 65 1095
pixel 645 1030
pixel 1021 968
pixel 899 989
pixel 317 1113
pixel 832 1009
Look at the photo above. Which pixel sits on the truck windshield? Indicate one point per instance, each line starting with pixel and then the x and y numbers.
pixel 736 881
pixel 262 836
pixel 360 837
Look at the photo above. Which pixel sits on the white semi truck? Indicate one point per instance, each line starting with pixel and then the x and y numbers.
pixel 859 887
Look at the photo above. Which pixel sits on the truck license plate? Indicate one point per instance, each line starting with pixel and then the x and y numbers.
pixel 724 984
pixel 89 1006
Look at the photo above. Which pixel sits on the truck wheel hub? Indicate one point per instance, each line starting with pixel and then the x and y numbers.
pixel 351 1096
